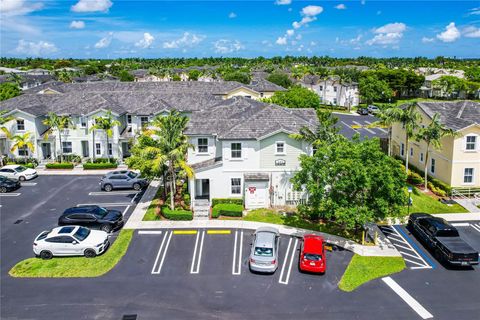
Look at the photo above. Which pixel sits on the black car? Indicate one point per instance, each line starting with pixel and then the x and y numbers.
pixel 362 111
pixel 92 217
pixel 442 239
pixel 7 185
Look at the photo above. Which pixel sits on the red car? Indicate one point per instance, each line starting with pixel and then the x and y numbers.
pixel 312 254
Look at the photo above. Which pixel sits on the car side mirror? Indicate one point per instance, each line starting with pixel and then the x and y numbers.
pixel 74 242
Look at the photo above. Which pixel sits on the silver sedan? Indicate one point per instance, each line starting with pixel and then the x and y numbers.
pixel 264 252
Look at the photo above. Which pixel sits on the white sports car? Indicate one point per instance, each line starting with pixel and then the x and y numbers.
pixel 70 241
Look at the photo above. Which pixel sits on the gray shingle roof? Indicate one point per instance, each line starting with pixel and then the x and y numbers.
pixel 455 115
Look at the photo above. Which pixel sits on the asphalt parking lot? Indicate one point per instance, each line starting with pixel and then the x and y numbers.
pixel 350 124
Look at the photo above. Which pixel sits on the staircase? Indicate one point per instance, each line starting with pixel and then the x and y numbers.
pixel 201 210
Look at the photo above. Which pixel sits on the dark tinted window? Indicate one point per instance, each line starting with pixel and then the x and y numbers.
pixel 447 233
pixel 131 175
pixel 81 233
pixel 66 230
pixel 43 235
pixel 54 239
pixel 101 212
pixel 65 239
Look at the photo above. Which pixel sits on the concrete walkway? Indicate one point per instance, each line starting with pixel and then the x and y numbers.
pixel 77 171
pixel 135 222
pixel 468 204
pixel 471 216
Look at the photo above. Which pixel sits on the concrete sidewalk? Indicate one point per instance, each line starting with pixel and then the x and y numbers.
pixel 470 216
pixel 77 171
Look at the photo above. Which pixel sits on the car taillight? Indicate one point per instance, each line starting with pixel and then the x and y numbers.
pixel 274 261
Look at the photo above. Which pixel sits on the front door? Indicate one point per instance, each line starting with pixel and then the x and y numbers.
pixel 46 150
pixel 256 194
pixel 85 151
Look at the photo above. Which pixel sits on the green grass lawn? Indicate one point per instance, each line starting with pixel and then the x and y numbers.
pixel 270 216
pixel 150 214
pixel 60 267
pixel 364 269
pixel 425 203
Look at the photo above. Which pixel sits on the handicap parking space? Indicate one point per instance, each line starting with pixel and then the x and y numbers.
pixel 414 255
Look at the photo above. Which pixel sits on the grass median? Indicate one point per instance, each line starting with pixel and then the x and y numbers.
pixel 364 269
pixel 63 267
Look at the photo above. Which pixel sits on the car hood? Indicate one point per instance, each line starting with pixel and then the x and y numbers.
pixel 96 237
pixel 29 171
pixel 113 215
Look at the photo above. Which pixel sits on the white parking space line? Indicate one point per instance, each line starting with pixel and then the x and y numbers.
pixel 345 124
pixel 196 259
pixel 417 307
pixel 112 193
pixel 149 232
pixel 112 204
pixel 28 184
pixel 125 211
pixel 13 194
pixel 461 224
pixel 475 226
pixel 135 197
pixel 157 267
pixel 289 257
pixel 363 127
pixel 237 254
pixel 378 128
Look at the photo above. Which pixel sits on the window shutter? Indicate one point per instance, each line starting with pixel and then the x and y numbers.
pixel 244 151
pixel 226 152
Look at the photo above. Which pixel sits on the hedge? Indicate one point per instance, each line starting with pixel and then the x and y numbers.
pixel 94 166
pixel 176 214
pixel 216 201
pixel 435 182
pixel 28 165
pixel 103 160
pixel 414 178
pixel 56 165
pixel 227 209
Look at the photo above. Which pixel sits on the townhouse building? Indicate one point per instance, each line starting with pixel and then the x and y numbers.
pixel 333 91
pixel 457 163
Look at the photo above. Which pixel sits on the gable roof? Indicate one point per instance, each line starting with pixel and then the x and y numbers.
pixel 456 115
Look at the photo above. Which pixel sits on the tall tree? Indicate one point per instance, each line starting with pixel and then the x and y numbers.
pixel 387 119
pixel 53 122
pixel 326 131
pixel 295 97
pixel 106 123
pixel 60 124
pixel 8 90
pixel 432 135
pixel 22 142
pixel 372 89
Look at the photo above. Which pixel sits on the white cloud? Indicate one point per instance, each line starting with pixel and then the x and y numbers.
pixel 363 2
pixel 104 42
pixel 290 32
pixel 39 48
pixel 92 6
pixel 227 46
pixel 427 40
pixel 313 43
pixel 283 2
pixel 281 41
pixel 146 42
pixel 77 24
pixel 312 10
pixel 341 6
pixel 10 8
pixel 474 11
pixel 232 15
pixel 450 34
pixel 471 32
pixel 389 34
pixel 187 40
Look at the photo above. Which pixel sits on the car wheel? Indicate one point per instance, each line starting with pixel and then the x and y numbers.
pixel 137 186
pixel 107 228
pixel 45 255
pixel 22 178
pixel 3 190
pixel 90 253
pixel 108 187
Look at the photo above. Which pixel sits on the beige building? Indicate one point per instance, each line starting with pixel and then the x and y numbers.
pixel 457 163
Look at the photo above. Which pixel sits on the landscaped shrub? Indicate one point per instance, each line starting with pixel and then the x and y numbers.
pixel 414 178
pixel 56 165
pixel 103 160
pixel 176 214
pixel 29 162
pixel 441 185
pixel 28 165
pixel 216 201
pixel 95 166
pixel 439 192
pixel 75 158
pixel 227 209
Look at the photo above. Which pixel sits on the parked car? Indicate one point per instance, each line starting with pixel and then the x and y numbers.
pixel 70 241
pixel 362 111
pixel 7 185
pixel 373 109
pixel 312 254
pixel 443 239
pixel 264 252
pixel 124 179
pixel 92 217
pixel 18 172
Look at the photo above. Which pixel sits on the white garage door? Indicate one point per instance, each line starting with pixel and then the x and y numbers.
pixel 256 194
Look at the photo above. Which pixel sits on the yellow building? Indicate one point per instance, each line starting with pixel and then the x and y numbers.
pixel 457 163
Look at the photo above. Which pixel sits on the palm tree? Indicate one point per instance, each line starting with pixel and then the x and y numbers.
pixel 171 147
pixel 387 120
pixel 432 136
pixel 106 123
pixel 324 132
pixel 52 121
pixel 22 142
pixel 409 118
pixel 3 120
pixel 60 124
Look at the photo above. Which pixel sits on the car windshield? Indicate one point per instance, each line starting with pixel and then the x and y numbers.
pixel 101 212
pixel 263 252
pixel 20 169
pixel 312 257
pixel 131 175
pixel 81 233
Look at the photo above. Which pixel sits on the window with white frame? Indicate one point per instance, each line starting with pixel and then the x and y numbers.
pixel 20 125
pixel 83 122
pixel 402 150
pixel 144 121
pixel 110 149
pixel 129 118
pixel 335 101
pixel 236 186
pixel 421 156
pixel 236 150
pixel 432 165
pixel 471 143
pixel 23 151
pixel 334 89
pixel 280 147
pixel 202 145
pixel 67 146
pixel 468 175
pixel 98 149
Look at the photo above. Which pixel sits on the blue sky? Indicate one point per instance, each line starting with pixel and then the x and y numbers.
pixel 126 28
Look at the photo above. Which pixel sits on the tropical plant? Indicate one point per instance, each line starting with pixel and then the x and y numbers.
pixel 3 120
pixel 432 135
pixel 60 124
pixel 387 119
pixel 8 90
pixel 372 89
pixel 295 97
pixel 106 123
pixel 324 132
pixel 22 142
